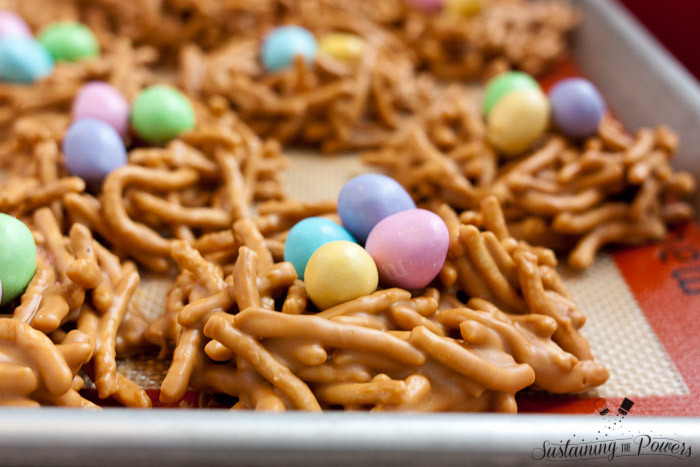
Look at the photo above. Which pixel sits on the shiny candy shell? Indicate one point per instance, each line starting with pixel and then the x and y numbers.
pixel 23 60
pixel 518 120
pixel 429 6
pixel 104 102
pixel 409 248
pixel 161 113
pixel 284 43
pixel 93 149
pixel 12 25
pixel 342 46
pixel 17 257
pixel 369 198
pixel 307 236
pixel 577 107
pixel 339 271
pixel 69 41
pixel 504 84
pixel 464 7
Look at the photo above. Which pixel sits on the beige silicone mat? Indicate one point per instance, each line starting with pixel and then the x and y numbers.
pixel 616 327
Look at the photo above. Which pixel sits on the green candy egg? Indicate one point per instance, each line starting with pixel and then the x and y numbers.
pixel 69 41
pixel 17 257
pixel 161 113
pixel 506 83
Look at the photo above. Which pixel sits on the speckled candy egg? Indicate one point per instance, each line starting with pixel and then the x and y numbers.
pixel 369 198
pixel 338 272
pixel 282 44
pixel 517 112
pixel 17 257
pixel 12 25
pixel 309 235
pixel 409 248
pixel 577 107
pixel 23 60
pixel 160 113
pixel 69 41
pixel 104 102
pixel 93 149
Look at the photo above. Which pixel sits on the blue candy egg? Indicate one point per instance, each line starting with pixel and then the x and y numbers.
pixel 286 42
pixel 369 198
pixel 23 60
pixel 309 235
pixel 93 149
pixel 577 107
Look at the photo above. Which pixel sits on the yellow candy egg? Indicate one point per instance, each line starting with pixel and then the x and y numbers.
pixel 342 46
pixel 518 120
pixel 464 7
pixel 339 271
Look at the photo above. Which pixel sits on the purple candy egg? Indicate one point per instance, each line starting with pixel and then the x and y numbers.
pixel 577 107
pixel 369 198
pixel 12 25
pixel 409 248
pixel 93 149
pixel 427 5
pixel 104 102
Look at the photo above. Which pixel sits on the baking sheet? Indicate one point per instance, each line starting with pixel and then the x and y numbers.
pixel 627 331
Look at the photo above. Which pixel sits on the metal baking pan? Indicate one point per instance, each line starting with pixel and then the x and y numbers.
pixel 645 86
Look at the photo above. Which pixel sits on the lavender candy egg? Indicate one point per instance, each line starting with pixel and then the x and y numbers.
pixel 367 199
pixel 430 6
pixel 12 25
pixel 577 107
pixel 93 149
pixel 409 248
pixel 104 102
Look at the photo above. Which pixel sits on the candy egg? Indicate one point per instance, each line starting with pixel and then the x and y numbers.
pixel 17 257
pixel 93 149
pixel 409 248
pixel 69 41
pixel 429 6
pixel 23 60
pixel 464 7
pixel 339 271
pixel 577 107
pixel 518 120
pixel 307 236
pixel 282 44
pixel 104 102
pixel 12 25
pixel 369 198
pixel 342 46
pixel 161 113
pixel 503 84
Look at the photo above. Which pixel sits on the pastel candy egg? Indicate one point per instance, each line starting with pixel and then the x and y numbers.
pixel 464 7
pixel 369 198
pixel 342 46
pixel 12 25
pixel 518 120
pixel 339 271
pixel 161 113
pixel 93 149
pixel 307 236
pixel 23 60
pixel 429 6
pixel 69 41
pixel 282 44
pixel 104 102
pixel 409 248
pixel 503 84
pixel 17 257
pixel 577 107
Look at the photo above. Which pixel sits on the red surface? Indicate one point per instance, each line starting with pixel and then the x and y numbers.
pixel 675 24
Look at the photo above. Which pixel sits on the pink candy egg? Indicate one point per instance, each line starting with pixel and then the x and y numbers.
pixel 430 6
pixel 104 102
pixel 12 25
pixel 409 248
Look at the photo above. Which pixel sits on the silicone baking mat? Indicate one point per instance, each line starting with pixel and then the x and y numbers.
pixel 639 304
